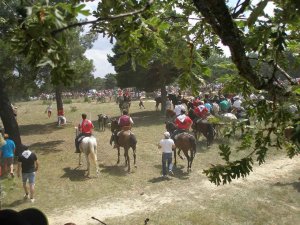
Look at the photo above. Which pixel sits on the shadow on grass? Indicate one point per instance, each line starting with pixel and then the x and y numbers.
pixel 75 174
pixel 32 129
pixel 295 185
pixel 159 179
pixel 114 170
pixel 14 204
pixel 45 148
pixel 178 170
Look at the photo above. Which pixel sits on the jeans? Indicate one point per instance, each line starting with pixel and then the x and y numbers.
pixel 28 176
pixel 166 160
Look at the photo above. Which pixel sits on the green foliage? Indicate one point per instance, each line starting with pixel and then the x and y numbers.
pixel 67 101
pixel 87 99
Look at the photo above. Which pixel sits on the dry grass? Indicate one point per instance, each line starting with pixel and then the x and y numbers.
pixel 269 196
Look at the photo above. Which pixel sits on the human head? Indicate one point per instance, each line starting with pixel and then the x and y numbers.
pixel 178 102
pixel 83 115
pixel 183 111
pixel 30 216
pixel 6 136
pixel 125 112
pixel 167 135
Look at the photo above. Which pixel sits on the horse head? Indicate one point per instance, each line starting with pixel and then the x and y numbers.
pixel 114 126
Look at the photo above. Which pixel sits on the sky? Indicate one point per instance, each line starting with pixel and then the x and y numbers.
pixel 102 47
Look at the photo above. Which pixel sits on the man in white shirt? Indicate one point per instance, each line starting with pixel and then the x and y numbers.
pixel 166 144
pixel 178 108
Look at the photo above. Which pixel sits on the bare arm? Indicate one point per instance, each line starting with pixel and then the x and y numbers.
pixel 36 165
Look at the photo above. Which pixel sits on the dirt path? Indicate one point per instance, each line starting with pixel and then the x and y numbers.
pixel 139 201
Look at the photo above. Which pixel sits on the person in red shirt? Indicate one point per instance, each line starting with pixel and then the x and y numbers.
pixel 183 123
pixel 201 111
pixel 86 127
pixel 125 122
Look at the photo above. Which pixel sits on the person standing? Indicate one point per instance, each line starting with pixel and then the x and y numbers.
pixel 49 110
pixel 28 164
pixel 85 127
pixel 166 145
pixel 7 153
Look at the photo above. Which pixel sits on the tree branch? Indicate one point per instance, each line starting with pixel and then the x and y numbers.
pixel 113 17
pixel 243 5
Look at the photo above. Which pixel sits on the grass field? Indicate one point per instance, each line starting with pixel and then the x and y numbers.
pixel 271 195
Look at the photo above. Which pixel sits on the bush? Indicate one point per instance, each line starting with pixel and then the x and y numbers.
pixel 67 101
pixel 87 99
pixel 47 102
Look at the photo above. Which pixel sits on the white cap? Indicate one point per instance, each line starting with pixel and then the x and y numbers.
pixel 167 134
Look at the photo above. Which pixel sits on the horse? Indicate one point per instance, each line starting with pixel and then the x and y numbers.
pixel 202 126
pixel 102 121
pixel 170 115
pixel 184 142
pixel 126 139
pixel 188 103
pixel 173 98
pixel 88 146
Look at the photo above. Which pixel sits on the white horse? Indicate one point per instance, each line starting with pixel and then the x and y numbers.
pixel 88 146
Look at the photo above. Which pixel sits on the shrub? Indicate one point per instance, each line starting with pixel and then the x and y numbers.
pixel 67 101
pixel 87 99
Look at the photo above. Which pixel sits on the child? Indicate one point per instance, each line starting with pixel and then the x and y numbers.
pixel 49 110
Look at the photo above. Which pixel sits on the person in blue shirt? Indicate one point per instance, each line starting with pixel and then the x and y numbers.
pixel 208 105
pixel 7 153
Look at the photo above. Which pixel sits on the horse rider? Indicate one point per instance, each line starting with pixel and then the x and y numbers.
pixel 125 122
pixel 183 123
pixel 224 104
pixel 201 111
pixel 86 127
pixel 178 108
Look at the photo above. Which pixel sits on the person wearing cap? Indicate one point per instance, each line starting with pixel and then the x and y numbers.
pixel 28 165
pixel 30 216
pixel 86 129
pixel 183 123
pixel 178 108
pixel 7 153
pixel 166 145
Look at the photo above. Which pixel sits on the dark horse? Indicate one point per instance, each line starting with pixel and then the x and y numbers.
pixel 124 103
pixel 173 98
pixel 202 126
pixel 184 142
pixel 125 139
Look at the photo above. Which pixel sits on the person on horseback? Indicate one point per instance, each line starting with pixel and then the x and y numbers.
pixel 224 104
pixel 183 123
pixel 125 122
pixel 86 127
pixel 201 111
pixel 178 107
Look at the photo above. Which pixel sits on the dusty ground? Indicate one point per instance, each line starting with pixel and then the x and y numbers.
pixel 145 201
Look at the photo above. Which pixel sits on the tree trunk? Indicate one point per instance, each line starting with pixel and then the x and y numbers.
pixel 59 102
pixel 163 92
pixel 9 121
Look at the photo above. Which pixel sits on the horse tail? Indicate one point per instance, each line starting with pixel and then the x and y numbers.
pixel 93 152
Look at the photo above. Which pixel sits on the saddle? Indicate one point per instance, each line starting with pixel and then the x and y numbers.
pixel 82 137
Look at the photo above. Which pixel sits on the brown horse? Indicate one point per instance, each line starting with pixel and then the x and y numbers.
pixel 125 139
pixel 184 142
pixel 170 115
pixel 202 126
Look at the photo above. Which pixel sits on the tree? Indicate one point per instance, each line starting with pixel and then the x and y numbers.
pixel 142 27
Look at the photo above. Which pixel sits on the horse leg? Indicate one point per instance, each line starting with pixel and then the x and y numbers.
pixel 186 153
pixel 179 150
pixel 88 165
pixel 118 148
pixel 134 157
pixel 175 162
pixel 79 162
pixel 128 159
